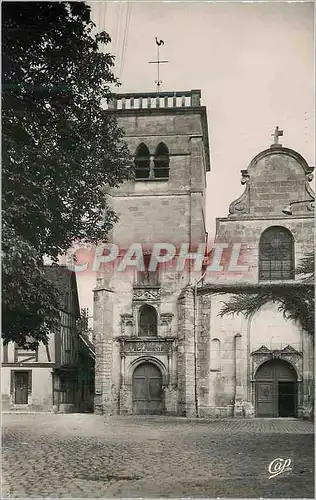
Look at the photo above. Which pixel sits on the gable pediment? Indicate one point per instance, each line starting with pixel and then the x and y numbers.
pixel 273 179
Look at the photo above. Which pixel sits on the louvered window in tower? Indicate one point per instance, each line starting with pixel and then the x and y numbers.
pixel 142 162
pixel 161 161
pixel 276 254
pixel 147 321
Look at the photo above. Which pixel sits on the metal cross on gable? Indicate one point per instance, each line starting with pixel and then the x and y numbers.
pixel 158 62
pixel 277 133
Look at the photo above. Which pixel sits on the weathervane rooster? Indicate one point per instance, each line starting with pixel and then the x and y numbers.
pixel 158 62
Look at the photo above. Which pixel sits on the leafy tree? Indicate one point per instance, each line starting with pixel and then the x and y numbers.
pixel 30 299
pixel 306 267
pixel 296 302
pixel 59 146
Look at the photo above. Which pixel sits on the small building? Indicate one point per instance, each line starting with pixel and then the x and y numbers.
pixel 58 376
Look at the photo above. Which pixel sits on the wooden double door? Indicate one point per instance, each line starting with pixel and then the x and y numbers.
pixel 276 390
pixel 147 390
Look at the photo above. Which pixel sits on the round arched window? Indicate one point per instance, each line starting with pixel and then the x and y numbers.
pixel 142 162
pixel 276 254
pixel 161 161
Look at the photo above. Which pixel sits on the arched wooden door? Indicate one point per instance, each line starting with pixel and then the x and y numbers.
pixel 147 390
pixel 276 389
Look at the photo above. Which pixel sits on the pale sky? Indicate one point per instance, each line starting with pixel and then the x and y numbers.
pixel 254 63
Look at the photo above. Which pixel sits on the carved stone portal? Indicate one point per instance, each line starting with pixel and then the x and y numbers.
pixel 129 346
pixel 288 354
pixel 146 294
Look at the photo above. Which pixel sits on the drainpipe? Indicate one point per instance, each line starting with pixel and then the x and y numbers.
pixel 195 346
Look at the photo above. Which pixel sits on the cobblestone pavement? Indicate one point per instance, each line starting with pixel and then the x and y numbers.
pixel 89 456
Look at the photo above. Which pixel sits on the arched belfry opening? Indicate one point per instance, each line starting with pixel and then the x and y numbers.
pixel 276 254
pixel 276 389
pixel 142 162
pixel 147 326
pixel 161 161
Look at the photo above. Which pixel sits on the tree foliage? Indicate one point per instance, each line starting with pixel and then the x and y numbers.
pixel 306 267
pixel 296 302
pixel 59 146
pixel 30 299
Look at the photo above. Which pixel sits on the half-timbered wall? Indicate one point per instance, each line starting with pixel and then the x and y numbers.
pixel 46 379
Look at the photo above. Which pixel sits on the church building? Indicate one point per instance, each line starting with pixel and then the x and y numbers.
pixel 161 345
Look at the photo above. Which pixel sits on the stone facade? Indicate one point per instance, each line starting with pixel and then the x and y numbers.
pixel 153 211
pixel 198 364
pixel 238 346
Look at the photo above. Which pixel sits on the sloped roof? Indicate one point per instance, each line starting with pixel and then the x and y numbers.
pixel 66 282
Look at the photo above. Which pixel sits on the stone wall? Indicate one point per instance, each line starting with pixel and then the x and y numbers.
pixel 247 232
pixel 268 328
pixel 186 354
pixel 153 211
pixel 275 178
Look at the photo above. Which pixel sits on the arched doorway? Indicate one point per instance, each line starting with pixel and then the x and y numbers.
pixel 276 389
pixel 147 390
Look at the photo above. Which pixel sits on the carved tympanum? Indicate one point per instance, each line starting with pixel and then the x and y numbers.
pixel 146 294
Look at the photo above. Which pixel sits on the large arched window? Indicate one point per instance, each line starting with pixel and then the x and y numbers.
pixel 147 321
pixel 142 162
pixel 276 254
pixel 161 161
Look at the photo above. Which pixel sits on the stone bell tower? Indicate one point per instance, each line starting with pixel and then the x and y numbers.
pixel 140 354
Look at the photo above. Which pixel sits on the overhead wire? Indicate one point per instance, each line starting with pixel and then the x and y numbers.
pixel 116 32
pixel 103 19
pixel 126 32
pixel 105 6
pixel 121 32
